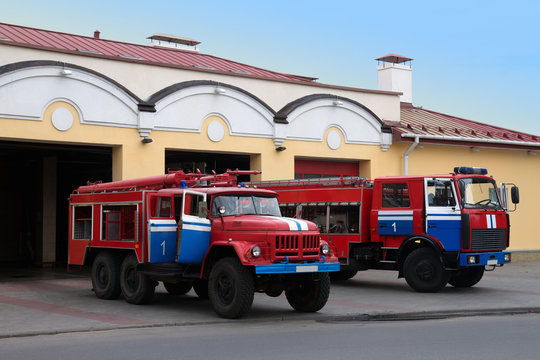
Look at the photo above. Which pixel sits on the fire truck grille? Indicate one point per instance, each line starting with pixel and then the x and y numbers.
pixel 296 245
pixel 488 239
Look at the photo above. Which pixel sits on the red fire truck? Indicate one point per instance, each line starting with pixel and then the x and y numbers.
pixel 432 229
pixel 200 231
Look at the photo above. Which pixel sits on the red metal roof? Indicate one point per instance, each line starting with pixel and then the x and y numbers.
pixel 90 46
pixel 435 126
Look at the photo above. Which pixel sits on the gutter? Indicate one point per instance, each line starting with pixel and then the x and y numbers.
pixel 406 155
pixel 469 139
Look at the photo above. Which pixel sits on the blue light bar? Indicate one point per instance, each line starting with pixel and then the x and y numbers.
pixel 470 170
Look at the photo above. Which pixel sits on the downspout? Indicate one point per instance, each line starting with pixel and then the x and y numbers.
pixel 406 155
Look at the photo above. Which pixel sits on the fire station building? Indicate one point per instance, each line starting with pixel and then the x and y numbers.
pixel 81 108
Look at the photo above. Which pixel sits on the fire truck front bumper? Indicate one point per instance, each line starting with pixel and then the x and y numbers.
pixel 497 258
pixel 297 268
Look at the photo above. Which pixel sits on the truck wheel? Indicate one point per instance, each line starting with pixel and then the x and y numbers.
pixel 424 271
pixel 201 288
pixel 230 288
pixel 179 288
pixel 106 276
pixel 309 295
pixel 137 288
pixel 342 275
pixel 467 276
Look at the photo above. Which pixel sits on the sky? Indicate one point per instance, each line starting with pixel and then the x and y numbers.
pixel 479 60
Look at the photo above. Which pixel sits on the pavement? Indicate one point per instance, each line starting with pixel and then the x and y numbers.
pixel 52 301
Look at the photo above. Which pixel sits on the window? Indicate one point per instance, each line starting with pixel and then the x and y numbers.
pixel 82 226
pixel 343 219
pixel 231 205
pixel 395 196
pixel 479 193
pixel 439 193
pixel 118 222
pixel 164 207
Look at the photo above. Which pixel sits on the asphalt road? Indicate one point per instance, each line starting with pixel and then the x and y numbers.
pixel 55 302
pixel 500 337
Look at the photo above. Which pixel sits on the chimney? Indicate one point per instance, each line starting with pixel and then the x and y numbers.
pixel 394 74
pixel 96 34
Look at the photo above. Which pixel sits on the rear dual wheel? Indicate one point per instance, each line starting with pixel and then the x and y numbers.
pixel 137 288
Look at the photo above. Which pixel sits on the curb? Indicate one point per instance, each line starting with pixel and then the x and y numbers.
pixel 413 316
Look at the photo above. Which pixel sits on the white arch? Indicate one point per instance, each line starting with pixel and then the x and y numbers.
pixel 186 109
pixel 310 121
pixel 26 92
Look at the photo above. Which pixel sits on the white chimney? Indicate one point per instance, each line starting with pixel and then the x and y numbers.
pixel 394 74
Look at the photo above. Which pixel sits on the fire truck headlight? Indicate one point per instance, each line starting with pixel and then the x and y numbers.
pixel 256 251
pixel 472 259
pixel 325 249
pixel 507 257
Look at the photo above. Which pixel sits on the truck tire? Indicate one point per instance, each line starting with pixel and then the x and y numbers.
pixel 309 295
pixel 342 275
pixel 106 276
pixel 424 271
pixel 137 288
pixel 230 288
pixel 201 288
pixel 179 288
pixel 467 276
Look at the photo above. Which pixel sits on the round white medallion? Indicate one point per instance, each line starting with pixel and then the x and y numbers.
pixel 333 139
pixel 62 119
pixel 215 131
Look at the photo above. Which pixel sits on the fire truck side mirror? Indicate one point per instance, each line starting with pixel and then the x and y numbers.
pixel 514 192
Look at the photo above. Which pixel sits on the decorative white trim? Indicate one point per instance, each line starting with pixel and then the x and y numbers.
pixel 62 119
pixel 310 121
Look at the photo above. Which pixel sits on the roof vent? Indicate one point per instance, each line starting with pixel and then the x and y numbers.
pixel 96 34
pixel 174 42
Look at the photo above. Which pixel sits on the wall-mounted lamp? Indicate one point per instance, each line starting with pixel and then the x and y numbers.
pixel 146 140
pixel 219 90
pixel 281 148
pixel 337 102
pixel 65 72
pixel 530 152
pixel 475 149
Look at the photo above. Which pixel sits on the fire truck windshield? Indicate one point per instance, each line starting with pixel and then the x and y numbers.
pixel 231 205
pixel 479 193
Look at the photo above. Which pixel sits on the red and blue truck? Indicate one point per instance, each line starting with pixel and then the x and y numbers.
pixel 432 229
pixel 197 231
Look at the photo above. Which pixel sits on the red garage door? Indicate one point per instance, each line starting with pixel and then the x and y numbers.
pixel 312 169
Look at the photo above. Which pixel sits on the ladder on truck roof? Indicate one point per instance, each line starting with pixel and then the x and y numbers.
pixel 174 179
pixel 342 181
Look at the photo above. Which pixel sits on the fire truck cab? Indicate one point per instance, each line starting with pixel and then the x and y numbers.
pixel 433 230
pixel 200 231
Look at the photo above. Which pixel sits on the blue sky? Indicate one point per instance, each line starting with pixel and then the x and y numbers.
pixel 476 59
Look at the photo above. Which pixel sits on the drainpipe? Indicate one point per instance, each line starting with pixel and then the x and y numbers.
pixel 406 155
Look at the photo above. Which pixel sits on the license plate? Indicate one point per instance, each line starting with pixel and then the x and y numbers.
pixel 310 268
pixel 492 262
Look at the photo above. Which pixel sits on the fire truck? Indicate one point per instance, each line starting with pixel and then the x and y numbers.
pixel 191 230
pixel 433 230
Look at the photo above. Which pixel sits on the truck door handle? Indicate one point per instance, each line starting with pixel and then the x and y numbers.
pixel 432 226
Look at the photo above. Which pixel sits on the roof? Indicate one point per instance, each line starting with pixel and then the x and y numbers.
pixel 394 58
pixel 95 47
pixel 437 127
